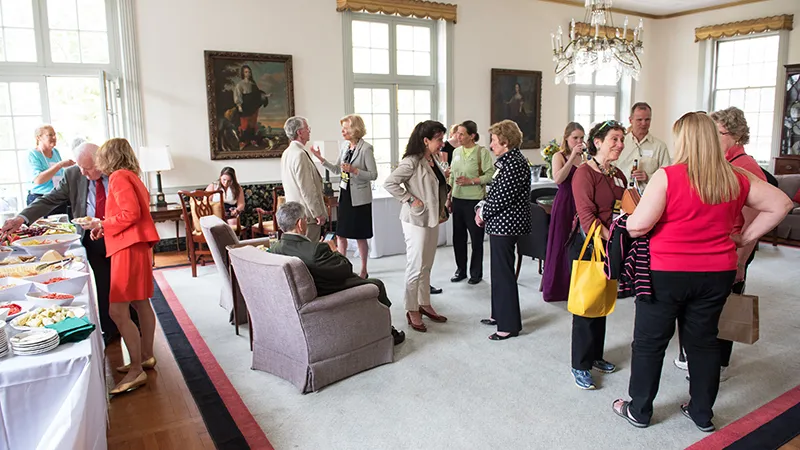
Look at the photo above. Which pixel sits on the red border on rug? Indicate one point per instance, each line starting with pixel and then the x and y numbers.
pixel 247 424
pixel 749 423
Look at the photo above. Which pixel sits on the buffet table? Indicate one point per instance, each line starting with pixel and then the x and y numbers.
pixel 57 400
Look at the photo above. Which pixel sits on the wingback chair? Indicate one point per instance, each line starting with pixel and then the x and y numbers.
pixel 534 244
pixel 219 235
pixel 307 340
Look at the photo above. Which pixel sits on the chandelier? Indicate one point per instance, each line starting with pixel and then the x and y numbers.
pixel 596 45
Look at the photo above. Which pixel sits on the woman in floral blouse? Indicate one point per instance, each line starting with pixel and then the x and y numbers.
pixel 506 214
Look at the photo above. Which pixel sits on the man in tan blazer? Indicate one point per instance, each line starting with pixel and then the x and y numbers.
pixel 302 182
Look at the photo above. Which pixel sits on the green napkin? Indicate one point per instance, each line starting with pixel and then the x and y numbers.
pixel 73 329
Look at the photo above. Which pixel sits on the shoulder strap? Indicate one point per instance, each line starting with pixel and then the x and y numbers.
pixel 737 157
pixel 480 161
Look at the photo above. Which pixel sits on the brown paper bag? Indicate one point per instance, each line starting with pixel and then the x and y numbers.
pixel 739 319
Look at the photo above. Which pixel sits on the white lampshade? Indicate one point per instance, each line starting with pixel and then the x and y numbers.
pixel 155 159
pixel 329 149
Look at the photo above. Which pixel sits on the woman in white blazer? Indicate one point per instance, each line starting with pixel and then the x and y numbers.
pixel 420 185
pixel 356 164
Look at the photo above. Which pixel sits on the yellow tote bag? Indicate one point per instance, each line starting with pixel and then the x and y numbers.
pixel 591 294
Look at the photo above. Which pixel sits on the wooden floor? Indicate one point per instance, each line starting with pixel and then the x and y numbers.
pixel 163 415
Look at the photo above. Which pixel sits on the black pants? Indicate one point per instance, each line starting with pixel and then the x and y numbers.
pixel 101 266
pixel 62 209
pixel 588 341
pixel 505 293
pixel 463 222
pixel 695 299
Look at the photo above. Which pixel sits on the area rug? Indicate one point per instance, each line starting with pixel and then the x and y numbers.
pixel 230 425
pixel 453 388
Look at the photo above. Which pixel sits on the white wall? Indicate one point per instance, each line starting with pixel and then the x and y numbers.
pixel 673 79
pixel 171 38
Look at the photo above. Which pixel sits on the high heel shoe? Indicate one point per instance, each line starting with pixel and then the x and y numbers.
pixel 149 363
pixel 421 327
pixel 140 381
pixel 433 316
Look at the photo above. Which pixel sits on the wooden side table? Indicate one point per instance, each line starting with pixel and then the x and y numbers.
pixel 172 212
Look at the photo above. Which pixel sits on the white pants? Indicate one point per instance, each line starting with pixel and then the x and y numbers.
pixel 420 252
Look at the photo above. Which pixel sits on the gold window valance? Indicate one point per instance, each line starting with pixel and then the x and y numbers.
pixel 585 29
pixel 416 8
pixel 761 25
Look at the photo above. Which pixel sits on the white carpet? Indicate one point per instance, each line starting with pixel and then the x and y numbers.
pixel 452 388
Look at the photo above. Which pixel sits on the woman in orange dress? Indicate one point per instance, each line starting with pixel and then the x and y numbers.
pixel 129 234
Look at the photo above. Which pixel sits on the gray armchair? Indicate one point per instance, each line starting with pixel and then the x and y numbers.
pixel 308 340
pixel 219 235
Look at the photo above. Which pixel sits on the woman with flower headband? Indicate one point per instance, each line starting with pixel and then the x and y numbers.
pixel 555 281
pixel 597 187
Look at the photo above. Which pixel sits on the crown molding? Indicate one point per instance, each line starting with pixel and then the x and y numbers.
pixel 732 4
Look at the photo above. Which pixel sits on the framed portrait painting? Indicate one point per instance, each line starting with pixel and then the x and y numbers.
pixel 517 95
pixel 250 96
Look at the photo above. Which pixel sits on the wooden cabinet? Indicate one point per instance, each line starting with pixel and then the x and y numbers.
pixel 790 129
pixel 787 164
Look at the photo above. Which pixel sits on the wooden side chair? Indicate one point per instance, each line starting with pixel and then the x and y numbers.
pixel 267 222
pixel 194 205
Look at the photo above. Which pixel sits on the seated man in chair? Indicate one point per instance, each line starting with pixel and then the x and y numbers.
pixel 332 272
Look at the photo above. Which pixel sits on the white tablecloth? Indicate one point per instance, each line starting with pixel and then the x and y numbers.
pixel 56 400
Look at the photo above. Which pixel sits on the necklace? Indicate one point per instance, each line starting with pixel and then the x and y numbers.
pixel 610 172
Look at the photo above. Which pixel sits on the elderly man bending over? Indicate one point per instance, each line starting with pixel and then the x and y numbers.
pixel 332 272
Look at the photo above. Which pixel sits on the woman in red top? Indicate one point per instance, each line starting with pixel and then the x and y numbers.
pixel 691 208
pixel 129 234
pixel 596 187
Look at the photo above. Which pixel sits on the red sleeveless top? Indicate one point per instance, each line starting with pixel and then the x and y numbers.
pixel 692 236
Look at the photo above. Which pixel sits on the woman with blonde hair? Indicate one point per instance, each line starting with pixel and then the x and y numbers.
pixel 356 164
pixel 506 214
pixel 555 280
pixel 129 234
pixel 689 210
pixel 47 168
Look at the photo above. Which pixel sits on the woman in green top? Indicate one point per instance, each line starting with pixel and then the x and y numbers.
pixel 471 169
pixel 47 168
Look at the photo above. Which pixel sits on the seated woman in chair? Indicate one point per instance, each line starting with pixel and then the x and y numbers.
pixel 233 198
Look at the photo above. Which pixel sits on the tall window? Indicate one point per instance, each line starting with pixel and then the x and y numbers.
pixel 53 54
pixel 393 70
pixel 595 97
pixel 745 76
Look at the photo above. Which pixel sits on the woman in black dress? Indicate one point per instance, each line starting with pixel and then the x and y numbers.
pixel 356 164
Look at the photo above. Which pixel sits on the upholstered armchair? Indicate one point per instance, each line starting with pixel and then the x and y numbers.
pixel 307 340
pixel 219 235
pixel 534 244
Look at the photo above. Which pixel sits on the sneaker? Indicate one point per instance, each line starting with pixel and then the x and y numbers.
pixel 707 428
pixel 601 365
pixel 681 363
pixel 583 379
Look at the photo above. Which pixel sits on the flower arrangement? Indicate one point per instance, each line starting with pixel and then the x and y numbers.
pixel 547 153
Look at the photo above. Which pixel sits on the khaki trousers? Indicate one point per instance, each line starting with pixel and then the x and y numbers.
pixel 420 252
pixel 314 232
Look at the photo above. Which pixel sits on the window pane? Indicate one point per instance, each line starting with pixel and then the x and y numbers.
pixel 94 47
pixel 405 101
pixel 405 37
pixel 25 99
pixel 737 98
pixel 383 150
pixel 583 78
pixel 752 100
pixel 5 100
pixel 65 47
pixel 379 35
pixel 92 15
pixel 725 54
pixel 380 100
pixel 384 170
pixel 361 60
pixel 10 198
pixel 767 99
pixel 381 127
pixel 361 34
pixel 422 101
pixel 62 14
pixel 422 64
pixel 725 77
pixel 20 45
pixel 765 121
pixel 405 125
pixel 380 61
pixel 362 100
pixel 722 100
pixel 421 118
pixel 6 133
pixel 583 105
pixel 604 107
pixel 18 13
pixel 422 39
pixel 405 62
pixel 771 44
pixel 76 108
pixel 24 130
pixel 8 167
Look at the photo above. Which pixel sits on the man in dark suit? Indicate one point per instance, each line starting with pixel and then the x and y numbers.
pixel 84 188
pixel 332 272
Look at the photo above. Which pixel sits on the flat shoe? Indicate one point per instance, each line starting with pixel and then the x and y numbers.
pixel 491 322
pixel 706 429
pixel 623 412
pixel 147 364
pixel 140 381
pixel 497 337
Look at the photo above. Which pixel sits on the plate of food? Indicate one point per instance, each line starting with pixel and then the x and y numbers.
pixel 39 317
pixel 48 299
pixel 63 281
pixel 16 259
pixel 13 289
pixel 39 245
pixel 84 221
pixel 16 308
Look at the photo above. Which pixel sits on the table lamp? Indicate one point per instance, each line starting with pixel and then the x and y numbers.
pixel 156 159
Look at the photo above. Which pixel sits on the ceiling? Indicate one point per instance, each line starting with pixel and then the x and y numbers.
pixel 664 8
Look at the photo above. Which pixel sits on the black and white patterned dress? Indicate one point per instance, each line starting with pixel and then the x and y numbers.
pixel 507 209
